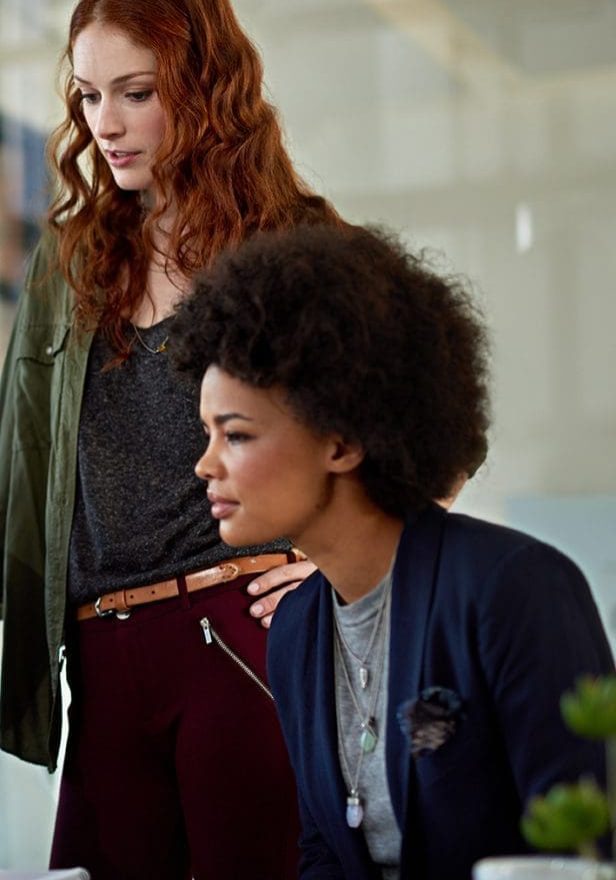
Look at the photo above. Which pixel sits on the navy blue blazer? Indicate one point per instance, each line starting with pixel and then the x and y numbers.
pixel 503 620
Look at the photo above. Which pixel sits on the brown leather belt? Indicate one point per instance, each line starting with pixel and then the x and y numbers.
pixel 121 602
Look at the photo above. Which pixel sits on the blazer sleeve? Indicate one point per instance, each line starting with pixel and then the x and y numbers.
pixel 539 631
pixel 286 669
pixel 317 860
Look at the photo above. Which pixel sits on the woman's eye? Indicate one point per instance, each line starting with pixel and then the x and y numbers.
pixel 234 437
pixel 139 97
pixel 89 97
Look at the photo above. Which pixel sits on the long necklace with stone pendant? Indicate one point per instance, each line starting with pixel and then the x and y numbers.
pixel 364 671
pixel 368 738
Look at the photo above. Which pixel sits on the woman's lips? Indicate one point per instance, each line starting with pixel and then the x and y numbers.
pixel 121 158
pixel 221 507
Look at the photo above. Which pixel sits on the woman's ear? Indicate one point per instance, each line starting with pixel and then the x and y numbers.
pixel 344 455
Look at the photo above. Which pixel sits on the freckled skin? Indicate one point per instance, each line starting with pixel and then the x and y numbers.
pixel 125 116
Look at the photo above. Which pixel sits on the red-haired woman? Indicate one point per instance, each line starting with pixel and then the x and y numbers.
pixel 175 766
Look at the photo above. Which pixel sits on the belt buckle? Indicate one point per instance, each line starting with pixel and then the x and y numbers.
pixel 121 615
pixel 99 611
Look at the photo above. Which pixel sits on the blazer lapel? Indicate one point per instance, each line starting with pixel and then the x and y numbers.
pixel 413 582
pixel 414 579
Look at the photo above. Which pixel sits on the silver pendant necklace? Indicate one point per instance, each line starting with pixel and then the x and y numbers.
pixel 160 348
pixel 362 662
pixel 368 736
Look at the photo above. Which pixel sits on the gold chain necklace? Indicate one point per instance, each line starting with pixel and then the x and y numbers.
pixel 160 349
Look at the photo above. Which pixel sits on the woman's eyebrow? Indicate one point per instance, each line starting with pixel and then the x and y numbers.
pixel 226 417
pixel 118 79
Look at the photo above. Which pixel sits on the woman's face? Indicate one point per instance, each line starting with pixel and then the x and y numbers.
pixel 268 475
pixel 117 81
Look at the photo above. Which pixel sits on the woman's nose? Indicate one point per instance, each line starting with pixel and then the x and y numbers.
pixel 108 123
pixel 208 466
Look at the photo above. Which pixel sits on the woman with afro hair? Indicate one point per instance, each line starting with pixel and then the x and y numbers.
pixel 418 673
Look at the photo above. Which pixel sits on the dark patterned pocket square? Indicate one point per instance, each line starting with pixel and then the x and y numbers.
pixel 430 720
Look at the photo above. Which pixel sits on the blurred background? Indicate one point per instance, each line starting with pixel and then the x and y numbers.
pixel 482 129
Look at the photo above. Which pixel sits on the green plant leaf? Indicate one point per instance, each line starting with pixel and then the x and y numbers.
pixel 590 709
pixel 568 817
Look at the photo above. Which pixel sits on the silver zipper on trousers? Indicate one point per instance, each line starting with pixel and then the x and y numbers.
pixel 211 636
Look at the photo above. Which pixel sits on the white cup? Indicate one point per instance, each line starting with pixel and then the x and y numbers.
pixel 541 868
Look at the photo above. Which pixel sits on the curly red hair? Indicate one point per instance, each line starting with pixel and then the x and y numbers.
pixel 222 160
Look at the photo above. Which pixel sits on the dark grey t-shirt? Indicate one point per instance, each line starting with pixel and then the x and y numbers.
pixel 141 514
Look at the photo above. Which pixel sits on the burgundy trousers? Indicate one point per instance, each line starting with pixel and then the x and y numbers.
pixel 175 763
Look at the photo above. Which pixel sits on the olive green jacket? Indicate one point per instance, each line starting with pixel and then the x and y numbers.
pixel 40 399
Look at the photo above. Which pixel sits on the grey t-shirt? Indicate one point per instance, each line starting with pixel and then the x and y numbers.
pixel 141 514
pixel 379 825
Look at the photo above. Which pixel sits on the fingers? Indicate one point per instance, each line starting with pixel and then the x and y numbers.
pixel 277 577
pixel 454 492
pixel 265 607
pixel 285 578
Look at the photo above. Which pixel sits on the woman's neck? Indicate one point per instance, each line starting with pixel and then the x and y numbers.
pixel 165 286
pixel 164 291
pixel 353 546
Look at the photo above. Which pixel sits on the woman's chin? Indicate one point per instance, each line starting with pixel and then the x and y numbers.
pixel 243 537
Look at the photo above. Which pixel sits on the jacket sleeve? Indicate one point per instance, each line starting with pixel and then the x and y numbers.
pixel 539 631
pixel 317 861
pixel 7 427
pixel 286 668
pixel 28 309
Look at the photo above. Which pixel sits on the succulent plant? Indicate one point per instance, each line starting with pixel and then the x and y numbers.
pixel 574 817
pixel 567 817
pixel 590 710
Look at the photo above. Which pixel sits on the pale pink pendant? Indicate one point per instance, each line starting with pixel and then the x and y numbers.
pixel 354 811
